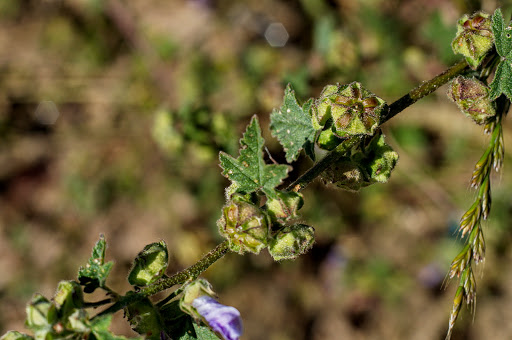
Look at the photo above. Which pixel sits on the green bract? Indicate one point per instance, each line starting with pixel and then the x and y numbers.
pixel 472 98
pixel 474 38
pixel 291 241
pixel 68 298
pixel 327 140
pixel 322 106
pixel 144 319
pixel 149 265
pixel 13 335
pixel 366 164
pixel 353 109
pixel 285 205
pixel 41 315
pixel 191 292
pixel 244 225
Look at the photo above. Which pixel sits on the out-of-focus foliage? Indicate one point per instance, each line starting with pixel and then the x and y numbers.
pixel 112 114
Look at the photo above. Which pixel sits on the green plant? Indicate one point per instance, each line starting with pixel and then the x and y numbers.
pixel 341 130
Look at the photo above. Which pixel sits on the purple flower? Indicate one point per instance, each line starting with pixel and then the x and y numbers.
pixel 224 320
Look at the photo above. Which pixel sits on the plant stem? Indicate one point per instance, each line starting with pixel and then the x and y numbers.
pixel 393 109
pixel 188 274
pixel 192 272
pixel 323 164
pixel 97 303
pixel 424 90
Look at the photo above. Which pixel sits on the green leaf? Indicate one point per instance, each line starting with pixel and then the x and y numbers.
pixel 144 319
pixel 96 271
pixel 502 34
pixel 99 327
pixel 292 125
pixel 502 82
pixel 249 173
pixel 14 335
pixel 204 333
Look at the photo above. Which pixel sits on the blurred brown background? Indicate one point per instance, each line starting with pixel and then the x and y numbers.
pixel 112 114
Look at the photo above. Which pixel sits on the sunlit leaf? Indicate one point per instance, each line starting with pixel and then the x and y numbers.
pixel 96 271
pixel 291 124
pixel 249 172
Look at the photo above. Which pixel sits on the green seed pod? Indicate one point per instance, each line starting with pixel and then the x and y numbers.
pixel 353 109
pixel 244 225
pixel 191 292
pixel 285 206
pixel 474 38
pixel 149 265
pixel 41 314
pixel 68 297
pixel 472 98
pixel 144 319
pixel 14 335
pixel 291 241
pixel 367 164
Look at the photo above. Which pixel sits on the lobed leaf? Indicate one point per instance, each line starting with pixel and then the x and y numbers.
pixel 292 125
pixel 502 82
pixel 249 172
pixel 502 34
pixel 96 271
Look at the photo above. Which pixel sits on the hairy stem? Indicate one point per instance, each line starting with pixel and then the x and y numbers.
pixel 187 274
pixel 323 164
pixel 190 273
pixel 424 89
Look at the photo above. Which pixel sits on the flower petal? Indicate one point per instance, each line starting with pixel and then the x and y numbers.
pixel 224 320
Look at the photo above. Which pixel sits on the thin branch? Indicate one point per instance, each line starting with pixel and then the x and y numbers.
pixel 424 89
pixel 188 274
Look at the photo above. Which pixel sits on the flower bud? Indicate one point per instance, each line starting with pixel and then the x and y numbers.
pixel 41 314
pixel 149 265
pixel 474 38
pixel 291 241
pixel 244 225
pixel 68 297
pixel 223 320
pixel 285 205
pixel 353 109
pixel 192 291
pixel 472 98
